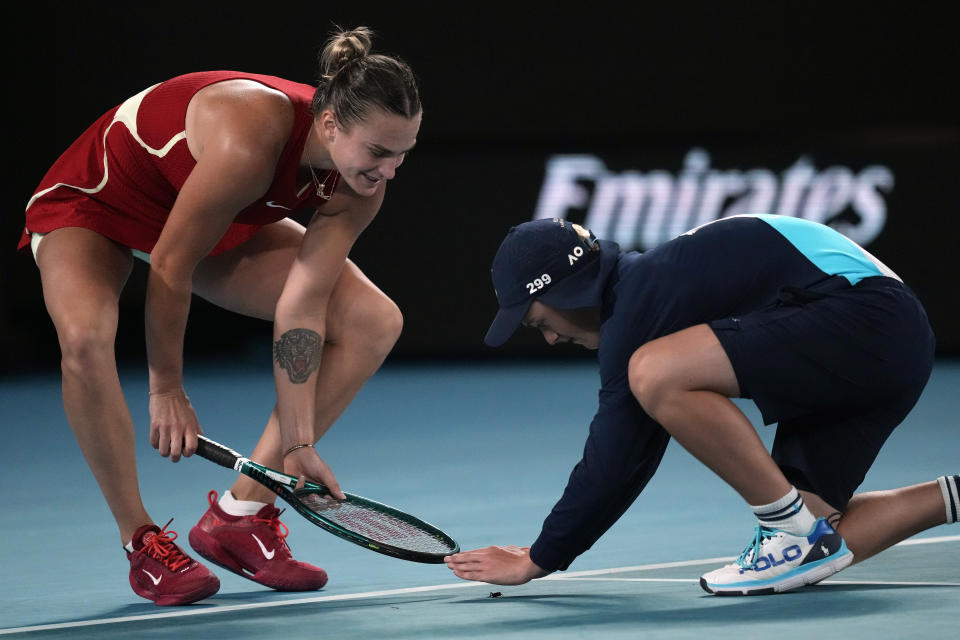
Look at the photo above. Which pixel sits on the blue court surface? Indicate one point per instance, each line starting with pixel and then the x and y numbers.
pixel 482 451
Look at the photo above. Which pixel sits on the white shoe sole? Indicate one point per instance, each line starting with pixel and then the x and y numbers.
pixel 813 576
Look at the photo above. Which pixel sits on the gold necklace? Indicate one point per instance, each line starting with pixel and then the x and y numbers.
pixel 320 186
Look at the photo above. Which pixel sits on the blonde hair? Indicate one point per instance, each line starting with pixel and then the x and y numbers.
pixel 352 80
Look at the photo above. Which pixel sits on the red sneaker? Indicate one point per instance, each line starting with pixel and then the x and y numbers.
pixel 162 572
pixel 254 547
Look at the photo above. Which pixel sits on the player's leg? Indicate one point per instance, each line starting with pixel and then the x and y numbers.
pixel 362 326
pixel 827 476
pixel 685 381
pixel 826 369
pixel 83 273
pixel 869 384
pixel 876 520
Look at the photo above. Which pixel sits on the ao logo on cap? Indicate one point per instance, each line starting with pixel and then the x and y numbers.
pixel 572 257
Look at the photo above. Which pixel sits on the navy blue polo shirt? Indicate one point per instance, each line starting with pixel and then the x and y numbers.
pixel 722 269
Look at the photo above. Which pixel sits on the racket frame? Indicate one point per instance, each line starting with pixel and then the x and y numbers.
pixel 285 487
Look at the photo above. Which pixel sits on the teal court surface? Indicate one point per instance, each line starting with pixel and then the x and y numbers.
pixel 482 451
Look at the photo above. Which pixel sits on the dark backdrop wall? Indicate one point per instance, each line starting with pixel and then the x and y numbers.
pixel 640 121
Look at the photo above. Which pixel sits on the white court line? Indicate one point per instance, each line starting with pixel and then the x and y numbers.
pixel 931 540
pixel 569 575
pixel 572 575
pixel 242 607
pixel 893 583
pixel 633 580
pixel 825 582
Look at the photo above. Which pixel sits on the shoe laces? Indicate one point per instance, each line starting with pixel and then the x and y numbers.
pixel 161 547
pixel 279 529
pixel 751 554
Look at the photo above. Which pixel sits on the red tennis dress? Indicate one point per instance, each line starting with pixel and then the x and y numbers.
pixel 121 177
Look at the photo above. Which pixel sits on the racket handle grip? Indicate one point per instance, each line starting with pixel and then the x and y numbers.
pixel 216 452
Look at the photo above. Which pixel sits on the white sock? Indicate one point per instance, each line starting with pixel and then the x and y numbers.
pixel 239 507
pixel 129 546
pixel 786 514
pixel 950 488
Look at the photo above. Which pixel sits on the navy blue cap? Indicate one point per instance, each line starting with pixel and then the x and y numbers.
pixel 551 259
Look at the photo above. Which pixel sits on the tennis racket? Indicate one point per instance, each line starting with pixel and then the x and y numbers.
pixel 370 524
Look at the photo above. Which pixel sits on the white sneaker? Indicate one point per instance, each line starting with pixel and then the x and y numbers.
pixel 777 561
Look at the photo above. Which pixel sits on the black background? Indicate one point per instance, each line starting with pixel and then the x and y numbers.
pixel 503 87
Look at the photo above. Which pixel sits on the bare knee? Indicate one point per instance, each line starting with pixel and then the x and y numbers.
pixel 373 324
pixel 86 349
pixel 647 382
pixel 664 372
pixel 389 324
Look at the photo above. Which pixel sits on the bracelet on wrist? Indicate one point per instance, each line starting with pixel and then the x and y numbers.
pixel 294 448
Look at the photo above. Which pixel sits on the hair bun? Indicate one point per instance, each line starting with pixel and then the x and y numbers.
pixel 352 79
pixel 343 47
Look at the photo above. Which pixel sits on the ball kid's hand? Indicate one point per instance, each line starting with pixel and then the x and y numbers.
pixel 508 565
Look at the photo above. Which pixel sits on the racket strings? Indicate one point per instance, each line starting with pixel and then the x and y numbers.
pixel 377 525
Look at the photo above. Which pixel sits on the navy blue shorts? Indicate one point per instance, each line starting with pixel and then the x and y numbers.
pixel 837 367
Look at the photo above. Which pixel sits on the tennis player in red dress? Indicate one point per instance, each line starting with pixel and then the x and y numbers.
pixel 197 175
